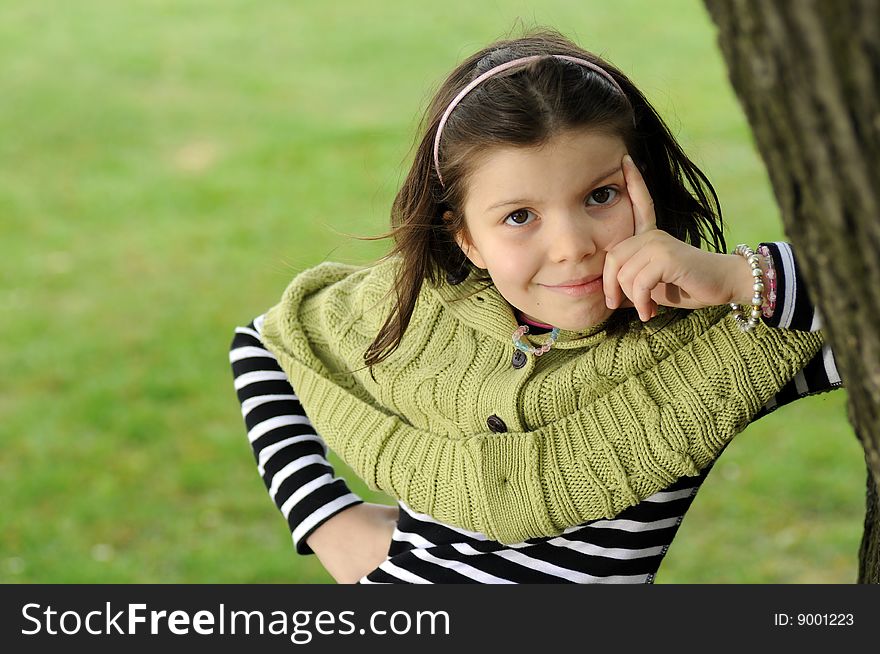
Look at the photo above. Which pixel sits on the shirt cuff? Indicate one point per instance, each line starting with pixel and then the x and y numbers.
pixel 305 528
pixel 794 307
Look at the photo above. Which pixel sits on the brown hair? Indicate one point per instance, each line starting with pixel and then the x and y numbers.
pixel 526 106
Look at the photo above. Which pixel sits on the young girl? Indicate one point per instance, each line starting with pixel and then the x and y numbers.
pixel 545 367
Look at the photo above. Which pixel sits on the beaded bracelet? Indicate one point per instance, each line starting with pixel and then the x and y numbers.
pixel 769 306
pixel 748 325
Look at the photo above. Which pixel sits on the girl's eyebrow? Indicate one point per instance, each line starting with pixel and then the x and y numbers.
pixel 504 203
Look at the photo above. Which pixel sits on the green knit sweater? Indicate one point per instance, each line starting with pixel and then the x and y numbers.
pixel 594 426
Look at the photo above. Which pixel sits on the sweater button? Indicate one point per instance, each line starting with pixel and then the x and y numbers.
pixel 496 424
pixel 519 359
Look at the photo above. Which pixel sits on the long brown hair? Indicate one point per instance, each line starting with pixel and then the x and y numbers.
pixel 526 106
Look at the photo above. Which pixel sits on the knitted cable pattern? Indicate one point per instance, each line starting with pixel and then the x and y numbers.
pixel 594 426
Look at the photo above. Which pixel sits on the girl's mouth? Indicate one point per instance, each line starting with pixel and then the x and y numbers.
pixel 577 287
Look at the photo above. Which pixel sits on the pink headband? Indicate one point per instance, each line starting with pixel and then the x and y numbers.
pixel 494 71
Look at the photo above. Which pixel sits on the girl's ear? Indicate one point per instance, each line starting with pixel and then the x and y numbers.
pixel 463 241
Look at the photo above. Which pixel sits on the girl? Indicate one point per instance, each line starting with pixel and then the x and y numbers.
pixel 492 374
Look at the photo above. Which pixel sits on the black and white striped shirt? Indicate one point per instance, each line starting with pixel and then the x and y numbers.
pixel 292 461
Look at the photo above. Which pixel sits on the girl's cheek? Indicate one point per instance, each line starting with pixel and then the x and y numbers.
pixel 620 230
pixel 626 225
pixel 516 265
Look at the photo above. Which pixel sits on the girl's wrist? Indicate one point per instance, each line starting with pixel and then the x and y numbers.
pixel 743 280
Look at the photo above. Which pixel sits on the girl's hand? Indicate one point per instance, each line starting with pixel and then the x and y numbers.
pixel 355 541
pixel 653 267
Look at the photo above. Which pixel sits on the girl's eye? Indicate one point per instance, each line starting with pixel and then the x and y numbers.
pixel 519 217
pixel 603 196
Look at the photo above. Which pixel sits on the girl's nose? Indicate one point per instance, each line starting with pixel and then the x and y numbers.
pixel 572 238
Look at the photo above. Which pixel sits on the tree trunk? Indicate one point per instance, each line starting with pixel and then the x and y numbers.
pixel 869 552
pixel 808 74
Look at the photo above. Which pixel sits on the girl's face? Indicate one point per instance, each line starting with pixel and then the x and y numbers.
pixel 540 220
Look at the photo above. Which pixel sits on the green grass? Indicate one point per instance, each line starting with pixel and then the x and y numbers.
pixel 168 166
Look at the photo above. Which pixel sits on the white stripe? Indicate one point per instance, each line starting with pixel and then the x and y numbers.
pixel 565 573
pixel 816 325
pixel 252 403
pixel 249 352
pixel 800 383
pixel 423 517
pixel 607 552
pixel 248 331
pixel 461 568
pixel 771 404
pixel 659 497
pixel 322 514
pixel 402 574
pixel 258 376
pixel 292 467
pixel 258 323
pixel 634 526
pixel 274 423
pixel 830 365
pixel 267 452
pixel 624 579
pixel 548 568
pixel 669 496
pixel 790 284
pixel 304 490
pixel 624 525
pixel 410 537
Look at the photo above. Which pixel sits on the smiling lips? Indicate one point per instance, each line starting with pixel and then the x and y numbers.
pixel 577 287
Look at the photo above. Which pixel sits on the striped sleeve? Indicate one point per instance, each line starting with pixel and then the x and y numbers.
pixel 291 457
pixel 795 310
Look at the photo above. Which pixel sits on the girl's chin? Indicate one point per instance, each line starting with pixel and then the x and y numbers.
pixel 572 316
pixel 577 324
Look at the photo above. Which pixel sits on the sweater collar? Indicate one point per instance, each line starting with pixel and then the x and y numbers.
pixel 478 304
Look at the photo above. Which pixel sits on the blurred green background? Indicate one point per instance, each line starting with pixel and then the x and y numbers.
pixel 167 167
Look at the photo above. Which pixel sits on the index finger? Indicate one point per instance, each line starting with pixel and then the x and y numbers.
pixel 643 205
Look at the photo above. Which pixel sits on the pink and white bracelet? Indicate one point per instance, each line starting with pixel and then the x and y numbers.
pixel 769 306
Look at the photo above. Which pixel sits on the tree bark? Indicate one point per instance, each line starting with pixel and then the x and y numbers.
pixel 869 552
pixel 807 74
